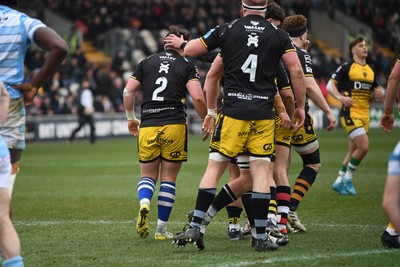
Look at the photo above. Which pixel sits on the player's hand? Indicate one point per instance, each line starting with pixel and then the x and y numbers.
pixel 331 120
pixel 208 125
pixel 133 126
pixel 378 94
pixel 285 120
pixel 347 101
pixel 28 92
pixel 173 41
pixel 299 116
pixel 387 122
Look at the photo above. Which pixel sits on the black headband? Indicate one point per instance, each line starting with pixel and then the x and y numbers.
pixel 299 32
pixel 254 8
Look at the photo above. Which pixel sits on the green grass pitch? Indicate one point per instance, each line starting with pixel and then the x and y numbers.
pixel 75 205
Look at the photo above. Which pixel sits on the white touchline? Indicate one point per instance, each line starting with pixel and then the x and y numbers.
pixel 313 257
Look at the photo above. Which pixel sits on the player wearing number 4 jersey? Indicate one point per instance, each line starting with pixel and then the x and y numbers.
pixel 251 49
pixel 165 78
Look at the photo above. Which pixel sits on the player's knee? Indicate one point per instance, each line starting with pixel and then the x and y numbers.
pixel 312 160
pixel 245 180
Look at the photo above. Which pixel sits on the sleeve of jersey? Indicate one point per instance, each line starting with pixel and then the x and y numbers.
pixel 285 41
pixel 282 79
pixel 306 63
pixel 31 25
pixel 193 73
pixel 211 39
pixel 138 74
pixel 340 73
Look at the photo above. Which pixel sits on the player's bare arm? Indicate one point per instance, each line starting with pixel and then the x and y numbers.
pixel 292 64
pixel 130 90
pixel 57 48
pixel 281 111
pixel 333 90
pixel 315 94
pixel 192 48
pixel 392 91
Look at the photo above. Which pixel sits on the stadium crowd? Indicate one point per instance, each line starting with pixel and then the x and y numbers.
pixel 92 20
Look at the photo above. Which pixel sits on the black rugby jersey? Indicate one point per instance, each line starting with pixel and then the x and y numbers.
pixel 251 49
pixel 306 64
pixel 282 78
pixel 164 77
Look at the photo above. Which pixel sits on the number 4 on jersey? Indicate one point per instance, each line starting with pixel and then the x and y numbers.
pixel 250 66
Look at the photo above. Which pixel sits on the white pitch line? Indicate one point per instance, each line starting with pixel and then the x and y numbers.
pixel 313 257
pixel 103 222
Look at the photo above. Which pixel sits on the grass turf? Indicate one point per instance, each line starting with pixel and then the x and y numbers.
pixel 75 205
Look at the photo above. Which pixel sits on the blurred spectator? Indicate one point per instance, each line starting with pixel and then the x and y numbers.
pixel 93 18
pixel 73 38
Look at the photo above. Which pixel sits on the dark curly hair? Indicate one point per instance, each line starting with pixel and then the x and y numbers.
pixel 295 25
pixel 275 11
pixel 179 31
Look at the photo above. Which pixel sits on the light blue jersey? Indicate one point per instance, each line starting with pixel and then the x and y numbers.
pixel 16 34
pixel 394 161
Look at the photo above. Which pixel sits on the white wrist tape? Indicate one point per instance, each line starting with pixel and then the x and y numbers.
pixel 130 115
pixel 212 112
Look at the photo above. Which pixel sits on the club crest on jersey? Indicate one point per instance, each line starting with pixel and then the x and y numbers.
pixel 164 68
pixel 252 40
pixel 365 74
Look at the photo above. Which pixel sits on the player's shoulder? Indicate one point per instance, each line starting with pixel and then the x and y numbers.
pixel 302 52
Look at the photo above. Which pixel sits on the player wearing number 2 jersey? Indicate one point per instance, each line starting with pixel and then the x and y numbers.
pixel 165 78
pixel 251 49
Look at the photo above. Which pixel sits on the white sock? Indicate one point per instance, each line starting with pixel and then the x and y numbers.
pixel 144 201
pixel 161 224
pixel 391 231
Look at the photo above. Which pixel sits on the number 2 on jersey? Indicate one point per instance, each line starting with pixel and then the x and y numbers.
pixel 162 81
pixel 250 66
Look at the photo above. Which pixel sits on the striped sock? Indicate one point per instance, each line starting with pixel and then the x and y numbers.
pixel 352 167
pixel 165 202
pixel 204 200
pixel 260 202
pixel 272 208
pixel 283 199
pixel 145 189
pixel 302 185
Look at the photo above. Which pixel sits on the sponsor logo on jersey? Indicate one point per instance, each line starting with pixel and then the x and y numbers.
pixel 362 86
pixel 254 26
pixel 208 33
pixel 167 57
